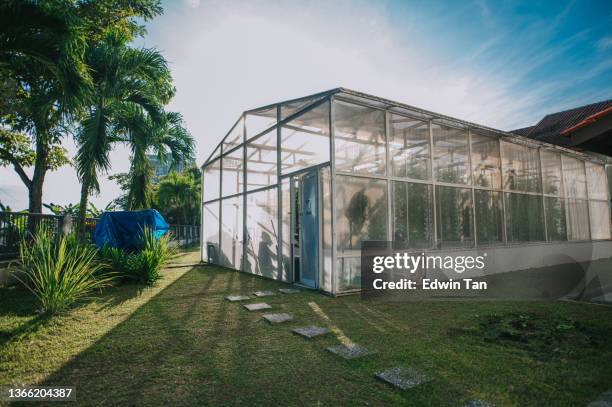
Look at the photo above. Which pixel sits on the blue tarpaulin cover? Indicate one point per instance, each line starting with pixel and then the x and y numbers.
pixel 124 229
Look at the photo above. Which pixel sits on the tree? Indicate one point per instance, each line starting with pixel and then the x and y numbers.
pixel 127 82
pixel 42 77
pixel 178 196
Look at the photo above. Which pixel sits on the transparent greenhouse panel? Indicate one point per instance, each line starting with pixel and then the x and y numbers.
pixel 215 154
pixel 455 223
pixel 235 136
pixel 409 148
pixel 574 177
pixel 489 217
pixel 212 178
pixel 521 168
pixel 325 280
pixel 485 161
pixel 259 120
pixel 286 229
pixel 597 182
pixel 262 236
pixel 599 212
pixel 289 108
pixel 412 215
pixel 524 218
pixel 361 212
pixel 551 172
pixel 262 158
pixel 577 219
pixel 231 232
pixel 451 155
pixel 210 230
pixel 348 271
pixel 233 172
pixel 359 136
pixel 305 140
pixel 555 219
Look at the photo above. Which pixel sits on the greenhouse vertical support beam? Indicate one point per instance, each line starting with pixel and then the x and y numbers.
pixel 503 194
pixel 541 169
pixel 433 185
pixel 332 174
pixel 245 235
pixel 279 201
pixel 473 184
pixel 388 175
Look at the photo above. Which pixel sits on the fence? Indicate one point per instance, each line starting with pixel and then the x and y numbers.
pixel 15 225
pixel 185 235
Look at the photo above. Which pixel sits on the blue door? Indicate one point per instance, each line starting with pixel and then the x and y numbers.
pixel 309 229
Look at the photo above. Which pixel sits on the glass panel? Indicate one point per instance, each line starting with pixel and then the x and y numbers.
pixel 555 219
pixel 599 212
pixel 596 181
pixel 485 161
pixel 326 221
pixel 210 230
pixel 212 177
pixel 361 212
pixel 215 154
pixel 235 136
pixel 231 232
pixel 524 218
pixel 289 108
pixel 577 213
pixel 454 214
pixel 261 161
pixel 258 121
pixel 262 239
pixel 521 168
pixel 551 172
pixel 489 217
pixel 359 135
pixel 305 140
pixel 349 273
pixel 409 148
pixel 574 177
pixel 233 175
pixel 412 215
pixel 451 156
pixel 286 228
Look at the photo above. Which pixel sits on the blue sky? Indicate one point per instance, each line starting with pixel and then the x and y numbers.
pixel 501 63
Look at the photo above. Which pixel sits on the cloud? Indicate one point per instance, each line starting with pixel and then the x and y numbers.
pixel 604 43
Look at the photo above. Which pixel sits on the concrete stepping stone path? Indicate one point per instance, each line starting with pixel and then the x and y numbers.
pixel 402 377
pixel 350 352
pixel 310 332
pixel 263 293
pixel 289 290
pixel 235 298
pixel 277 318
pixel 258 306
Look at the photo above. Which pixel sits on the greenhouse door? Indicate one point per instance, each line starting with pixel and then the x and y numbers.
pixel 306 229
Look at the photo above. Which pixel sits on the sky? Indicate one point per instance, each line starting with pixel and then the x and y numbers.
pixel 501 63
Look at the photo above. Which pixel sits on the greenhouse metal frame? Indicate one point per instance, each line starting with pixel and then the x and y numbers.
pixel 295 187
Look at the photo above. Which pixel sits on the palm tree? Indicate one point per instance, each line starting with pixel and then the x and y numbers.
pixel 125 81
pixel 167 139
pixel 178 195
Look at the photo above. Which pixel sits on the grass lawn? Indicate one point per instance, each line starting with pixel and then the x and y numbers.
pixel 182 343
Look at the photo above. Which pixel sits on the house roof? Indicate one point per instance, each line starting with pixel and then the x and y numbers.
pixel 553 127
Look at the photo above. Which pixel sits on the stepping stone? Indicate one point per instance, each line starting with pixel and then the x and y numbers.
pixel 289 290
pixel 478 403
pixel 235 298
pixel 263 293
pixel 257 306
pixel 350 352
pixel 310 332
pixel 403 378
pixel 277 318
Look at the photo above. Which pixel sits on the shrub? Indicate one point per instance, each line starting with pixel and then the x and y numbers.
pixel 142 266
pixel 59 271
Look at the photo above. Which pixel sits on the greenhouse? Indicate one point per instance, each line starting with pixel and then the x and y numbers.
pixel 294 188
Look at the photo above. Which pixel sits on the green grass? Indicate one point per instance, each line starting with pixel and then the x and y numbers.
pixel 180 343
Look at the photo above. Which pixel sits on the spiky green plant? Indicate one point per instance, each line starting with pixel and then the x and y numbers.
pixel 59 271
